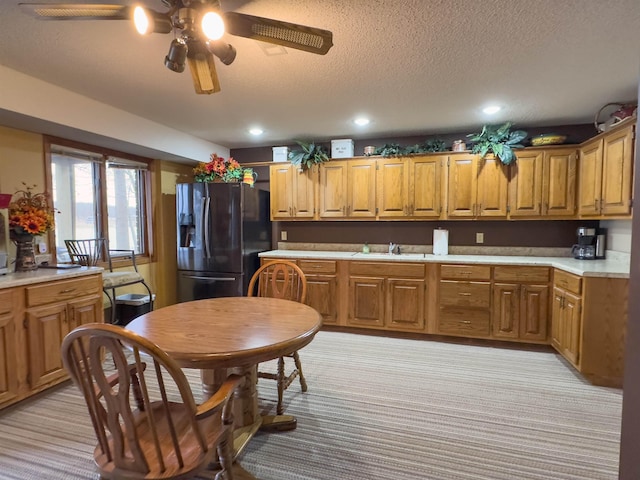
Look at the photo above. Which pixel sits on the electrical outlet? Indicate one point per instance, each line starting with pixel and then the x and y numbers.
pixel 283 235
pixel 479 237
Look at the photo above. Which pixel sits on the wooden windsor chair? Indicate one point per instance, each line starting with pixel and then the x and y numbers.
pixel 281 279
pixel 146 420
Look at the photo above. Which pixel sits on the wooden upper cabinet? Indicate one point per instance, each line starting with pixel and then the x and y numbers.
pixel 525 185
pixel 292 192
pixel 543 183
pixel 410 187
pixel 559 182
pixel 606 174
pixel 462 186
pixel 617 168
pixel 393 188
pixel 425 180
pixel 477 187
pixel 590 174
pixel 348 189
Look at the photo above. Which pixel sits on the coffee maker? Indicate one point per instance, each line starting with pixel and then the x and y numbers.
pixel 585 249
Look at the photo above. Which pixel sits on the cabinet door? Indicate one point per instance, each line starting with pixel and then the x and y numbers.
pixel 559 187
pixel 493 188
pixel 83 311
pixel 321 295
pixel 525 185
pixel 280 185
pixel 405 304
pixel 46 327
pixel 617 167
pixel 557 319
pixel 462 186
pixel 572 327
pixel 361 189
pixel 505 315
pixel 303 199
pixel 590 178
pixel 424 196
pixel 392 185
pixel 534 312
pixel 366 301
pixel 333 189
pixel 8 341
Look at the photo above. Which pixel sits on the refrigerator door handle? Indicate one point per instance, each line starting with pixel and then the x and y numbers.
pixel 215 279
pixel 207 249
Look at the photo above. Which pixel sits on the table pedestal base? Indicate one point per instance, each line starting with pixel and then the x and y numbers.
pixel 278 423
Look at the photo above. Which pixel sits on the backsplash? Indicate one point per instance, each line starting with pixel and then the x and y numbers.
pixel 539 234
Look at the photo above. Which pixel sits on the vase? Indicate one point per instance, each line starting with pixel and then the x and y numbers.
pixel 25 253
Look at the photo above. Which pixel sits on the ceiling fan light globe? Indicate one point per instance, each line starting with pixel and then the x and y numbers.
pixel 141 20
pixel 212 25
pixel 226 53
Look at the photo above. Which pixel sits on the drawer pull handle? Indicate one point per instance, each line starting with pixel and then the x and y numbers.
pixel 466 273
pixel 67 290
pixel 465 294
pixel 466 322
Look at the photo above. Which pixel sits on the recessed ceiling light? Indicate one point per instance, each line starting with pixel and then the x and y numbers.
pixel 256 131
pixel 491 109
pixel 362 121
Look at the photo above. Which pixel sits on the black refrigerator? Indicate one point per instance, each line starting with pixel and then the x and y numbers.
pixel 221 229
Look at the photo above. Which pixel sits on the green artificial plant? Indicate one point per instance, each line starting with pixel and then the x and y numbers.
pixel 310 155
pixel 499 140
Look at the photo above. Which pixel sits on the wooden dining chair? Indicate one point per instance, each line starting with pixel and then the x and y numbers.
pixel 91 252
pixel 146 420
pixel 281 279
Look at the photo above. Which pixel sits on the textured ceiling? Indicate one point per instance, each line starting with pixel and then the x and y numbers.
pixel 413 66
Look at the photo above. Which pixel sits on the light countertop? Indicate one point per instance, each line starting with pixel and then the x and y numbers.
pixel 613 268
pixel 44 275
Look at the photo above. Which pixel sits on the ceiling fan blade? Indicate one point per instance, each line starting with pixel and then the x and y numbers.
pixel 300 37
pixel 202 68
pixel 75 11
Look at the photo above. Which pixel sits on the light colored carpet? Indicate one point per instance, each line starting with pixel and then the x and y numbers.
pixel 380 408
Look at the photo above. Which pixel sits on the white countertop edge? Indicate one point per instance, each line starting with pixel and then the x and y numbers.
pixel 18 279
pixel 585 268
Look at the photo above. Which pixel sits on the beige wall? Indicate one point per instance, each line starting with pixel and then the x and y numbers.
pixel 22 160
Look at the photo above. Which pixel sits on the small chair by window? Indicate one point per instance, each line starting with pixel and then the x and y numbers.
pixel 90 252
pixel 281 279
pixel 146 420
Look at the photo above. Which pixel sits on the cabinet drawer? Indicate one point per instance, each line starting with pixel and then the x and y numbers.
pixel 521 274
pixel 567 281
pixel 466 272
pixel 317 266
pixel 403 270
pixel 63 290
pixel 467 322
pixel 465 294
pixel 6 301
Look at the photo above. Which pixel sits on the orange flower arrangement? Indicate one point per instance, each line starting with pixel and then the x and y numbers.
pixel 30 213
pixel 219 168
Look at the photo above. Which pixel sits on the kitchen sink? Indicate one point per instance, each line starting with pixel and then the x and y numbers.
pixel 385 256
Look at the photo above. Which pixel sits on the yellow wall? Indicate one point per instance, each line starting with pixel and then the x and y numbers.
pixel 22 160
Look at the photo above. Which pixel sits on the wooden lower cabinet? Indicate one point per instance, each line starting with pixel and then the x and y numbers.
pixel 588 325
pixel 520 308
pixel 322 288
pixel 9 317
pixel 390 296
pixel 32 330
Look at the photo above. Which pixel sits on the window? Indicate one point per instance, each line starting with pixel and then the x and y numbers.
pixel 98 194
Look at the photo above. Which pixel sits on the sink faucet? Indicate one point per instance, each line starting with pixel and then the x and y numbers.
pixel 394 248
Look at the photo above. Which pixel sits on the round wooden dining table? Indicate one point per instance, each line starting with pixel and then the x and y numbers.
pixel 226 335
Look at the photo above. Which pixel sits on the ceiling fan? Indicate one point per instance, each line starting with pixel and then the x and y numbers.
pixel 198 26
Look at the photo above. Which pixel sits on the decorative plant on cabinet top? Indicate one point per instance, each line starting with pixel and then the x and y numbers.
pixel 499 140
pixel 310 155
